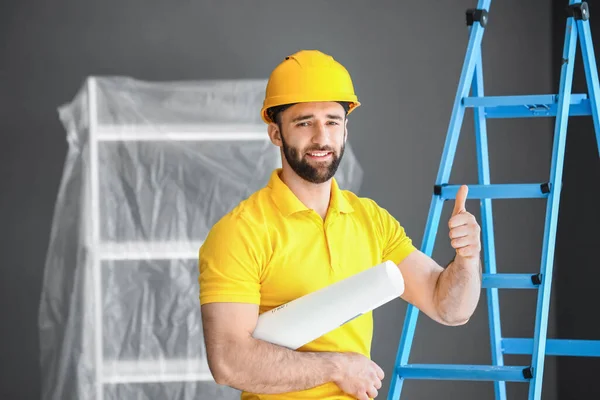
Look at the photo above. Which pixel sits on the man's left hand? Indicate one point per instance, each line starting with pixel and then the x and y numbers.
pixel 464 229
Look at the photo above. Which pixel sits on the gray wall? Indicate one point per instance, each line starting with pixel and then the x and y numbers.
pixel 405 59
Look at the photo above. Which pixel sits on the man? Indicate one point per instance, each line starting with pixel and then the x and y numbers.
pixel 301 233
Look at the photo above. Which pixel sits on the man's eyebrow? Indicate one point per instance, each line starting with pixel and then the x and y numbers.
pixel 303 117
pixel 309 116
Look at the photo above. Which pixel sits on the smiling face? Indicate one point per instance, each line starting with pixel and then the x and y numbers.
pixel 312 137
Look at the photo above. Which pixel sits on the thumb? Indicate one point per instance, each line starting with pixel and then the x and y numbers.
pixel 461 199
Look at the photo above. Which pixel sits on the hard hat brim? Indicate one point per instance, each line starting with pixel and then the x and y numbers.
pixel 292 99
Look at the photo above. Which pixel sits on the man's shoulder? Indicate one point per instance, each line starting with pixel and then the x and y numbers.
pixel 249 213
pixel 361 203
pixel 238 231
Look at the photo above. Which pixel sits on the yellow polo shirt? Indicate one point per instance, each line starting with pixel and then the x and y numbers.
pixel 272 249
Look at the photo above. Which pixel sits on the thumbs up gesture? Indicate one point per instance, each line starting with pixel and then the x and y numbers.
pixel 464 229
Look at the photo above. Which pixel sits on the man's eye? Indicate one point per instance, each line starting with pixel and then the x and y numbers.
pixel 333 122
pixel 302 124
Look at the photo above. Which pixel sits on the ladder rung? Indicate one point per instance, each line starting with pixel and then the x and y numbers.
pixel 554 347
pixel 464 372
pixel 497 191
pixel 511 281
pixel 527 106
pixel 152 250
pixel 158 370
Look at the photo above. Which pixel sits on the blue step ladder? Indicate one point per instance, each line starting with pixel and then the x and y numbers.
pixel 560 106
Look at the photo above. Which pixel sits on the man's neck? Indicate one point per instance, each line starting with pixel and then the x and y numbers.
pixel 313 196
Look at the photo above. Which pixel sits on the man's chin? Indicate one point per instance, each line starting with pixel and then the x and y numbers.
pixel 318 176
pixel 317 180
pixel 314 171
pixel 321 168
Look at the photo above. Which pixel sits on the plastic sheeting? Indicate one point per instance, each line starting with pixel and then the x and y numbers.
pixel 150 167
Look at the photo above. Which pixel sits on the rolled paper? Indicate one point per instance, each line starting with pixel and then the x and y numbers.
pixel 309 317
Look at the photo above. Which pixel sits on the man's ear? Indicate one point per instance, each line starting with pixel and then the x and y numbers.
pixel 274 134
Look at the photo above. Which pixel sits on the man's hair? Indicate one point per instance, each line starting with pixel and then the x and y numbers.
pixel 274 113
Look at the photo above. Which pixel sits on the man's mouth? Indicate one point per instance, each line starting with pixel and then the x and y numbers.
pixel 319 155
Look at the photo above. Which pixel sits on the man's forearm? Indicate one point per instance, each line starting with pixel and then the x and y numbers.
pixel 457 291
pixel 260 367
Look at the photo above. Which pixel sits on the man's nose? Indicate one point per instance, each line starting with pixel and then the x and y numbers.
pixel 321 134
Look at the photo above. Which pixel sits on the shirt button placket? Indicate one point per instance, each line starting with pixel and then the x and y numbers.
pixel 333 259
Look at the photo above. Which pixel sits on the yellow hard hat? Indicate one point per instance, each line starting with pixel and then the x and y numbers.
pixel 307 76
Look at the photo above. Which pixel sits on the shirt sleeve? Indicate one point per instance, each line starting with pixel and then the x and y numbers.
pixel 396 244
pixel 230 263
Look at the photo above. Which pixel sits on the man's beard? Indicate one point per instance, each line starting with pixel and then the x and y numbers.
pixel 305 170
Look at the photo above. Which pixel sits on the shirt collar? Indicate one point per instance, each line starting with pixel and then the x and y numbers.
pixel 289 204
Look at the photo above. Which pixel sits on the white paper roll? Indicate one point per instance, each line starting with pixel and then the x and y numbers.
pixel 309 317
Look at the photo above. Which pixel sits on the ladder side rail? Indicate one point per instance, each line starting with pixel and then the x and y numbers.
pixel 487 229
pixel 436 206
pixel 591 71
pixel 552 206
pixel 95 263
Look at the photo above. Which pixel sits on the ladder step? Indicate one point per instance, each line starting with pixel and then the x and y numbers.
pixel 528 106
pixel 497 191
pixel 511 281
pixel 554 347
pixel 464 372
pixel 152 250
